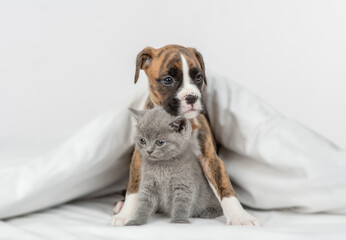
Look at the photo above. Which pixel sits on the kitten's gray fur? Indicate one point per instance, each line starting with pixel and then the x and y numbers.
pixel 172 179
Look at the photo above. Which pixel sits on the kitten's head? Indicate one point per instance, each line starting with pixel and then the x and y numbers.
pixel 161 136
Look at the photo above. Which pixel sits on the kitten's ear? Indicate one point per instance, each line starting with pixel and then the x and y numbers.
pixel 179 124
pixel 137 114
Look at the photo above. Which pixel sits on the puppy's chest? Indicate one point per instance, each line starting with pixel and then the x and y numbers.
pixel 194 141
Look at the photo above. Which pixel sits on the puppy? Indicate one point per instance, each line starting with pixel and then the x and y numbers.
pixel 176 78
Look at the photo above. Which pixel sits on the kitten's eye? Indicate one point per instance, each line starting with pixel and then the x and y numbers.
pixel 142 141
pixel 159 143
pixel 167 81
pixel 198 78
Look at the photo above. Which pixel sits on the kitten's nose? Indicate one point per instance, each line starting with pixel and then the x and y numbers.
pixel 149 152
pixel 191 99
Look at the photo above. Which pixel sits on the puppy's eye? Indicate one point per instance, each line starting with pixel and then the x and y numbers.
pixel 142 141
pixel 167 81
pixel 159 143
pixel 199 78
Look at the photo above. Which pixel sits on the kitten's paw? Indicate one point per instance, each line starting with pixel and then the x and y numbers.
pixel 134 223
pixel 179 220
pixel 242 218
pixel 117 207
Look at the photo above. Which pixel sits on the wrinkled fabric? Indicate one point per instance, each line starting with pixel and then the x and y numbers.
pixel 273 162
pixel 97 156
pixel 89 219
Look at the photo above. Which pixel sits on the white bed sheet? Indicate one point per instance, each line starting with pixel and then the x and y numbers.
pixel 89 219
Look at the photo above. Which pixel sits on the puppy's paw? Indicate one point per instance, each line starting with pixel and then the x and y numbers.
pixel 242 218
pixel 122 218
pixel 117 207
pixel 235 213
pixel 118 220
pixel 126 211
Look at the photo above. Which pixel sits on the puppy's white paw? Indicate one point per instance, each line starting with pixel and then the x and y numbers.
pixel 242 219
pixel 126 212
pixel 235 213
pixel 120 219
pixel 118 206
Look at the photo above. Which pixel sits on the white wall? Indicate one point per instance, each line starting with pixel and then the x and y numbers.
pixel 64 62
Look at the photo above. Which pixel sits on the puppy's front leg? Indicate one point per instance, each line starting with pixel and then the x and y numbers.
pixel 126 210
pixel 216 174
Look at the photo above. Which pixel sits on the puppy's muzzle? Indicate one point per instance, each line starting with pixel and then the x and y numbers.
pixel 191 99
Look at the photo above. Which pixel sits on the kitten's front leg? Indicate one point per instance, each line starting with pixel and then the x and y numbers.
pixel 146 206
pixel 181 204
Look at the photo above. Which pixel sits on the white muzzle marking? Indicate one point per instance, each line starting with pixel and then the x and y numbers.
pixel 188 88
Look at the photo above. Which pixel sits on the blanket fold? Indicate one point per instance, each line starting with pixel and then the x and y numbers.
pixel 274 162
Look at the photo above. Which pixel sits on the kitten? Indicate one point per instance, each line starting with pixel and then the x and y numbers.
pixel 172 180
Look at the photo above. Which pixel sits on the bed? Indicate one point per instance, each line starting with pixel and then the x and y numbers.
pixel 66 135
pixel 89 219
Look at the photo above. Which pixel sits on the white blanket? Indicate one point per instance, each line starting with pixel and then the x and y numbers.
pixel 274 162
pixel 89 219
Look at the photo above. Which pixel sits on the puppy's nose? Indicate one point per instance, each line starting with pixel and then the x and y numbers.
pixel 191 99
pixel 149 152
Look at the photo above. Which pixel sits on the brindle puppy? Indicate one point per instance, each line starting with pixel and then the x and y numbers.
pixel 176 78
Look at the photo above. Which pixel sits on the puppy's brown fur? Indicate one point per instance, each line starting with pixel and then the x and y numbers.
pixel 158 63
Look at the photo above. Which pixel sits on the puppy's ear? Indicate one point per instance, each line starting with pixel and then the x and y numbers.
pixel 143 60
pixel 201 62
pixel 137 114
pixel 179 124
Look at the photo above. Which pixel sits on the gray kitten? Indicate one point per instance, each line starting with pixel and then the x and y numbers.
pixel 172 180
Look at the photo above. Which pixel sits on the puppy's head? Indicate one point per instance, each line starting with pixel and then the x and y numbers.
pixel 176 77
